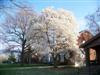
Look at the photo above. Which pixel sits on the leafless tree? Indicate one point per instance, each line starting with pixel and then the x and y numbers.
pixel 21 29
pixel 11 6
pixel 93 21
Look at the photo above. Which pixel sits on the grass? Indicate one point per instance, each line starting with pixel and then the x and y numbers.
pixel 17 69
pixel 19 65
pixel 39 71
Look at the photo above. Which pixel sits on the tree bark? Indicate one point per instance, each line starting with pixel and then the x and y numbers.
pixel 22 53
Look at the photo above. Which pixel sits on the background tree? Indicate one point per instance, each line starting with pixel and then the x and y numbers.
pixel 3 58
pixel 11 4
pixel 84 36
pixel 20 30
pixel 12 58
pixel 93 21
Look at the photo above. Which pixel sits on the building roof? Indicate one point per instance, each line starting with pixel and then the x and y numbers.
pixel 94 41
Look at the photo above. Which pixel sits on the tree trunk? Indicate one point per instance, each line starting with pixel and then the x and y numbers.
pixel 29 61
pixel 22 53
pixel 55 60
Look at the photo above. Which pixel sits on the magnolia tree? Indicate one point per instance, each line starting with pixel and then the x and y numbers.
pixel 60 23
pixel 59 28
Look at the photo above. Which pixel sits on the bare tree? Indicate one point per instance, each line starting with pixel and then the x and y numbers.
pixel 21 29
pixel 93 21
pixel 11 6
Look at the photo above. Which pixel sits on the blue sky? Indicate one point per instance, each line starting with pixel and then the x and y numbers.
pixel 80 8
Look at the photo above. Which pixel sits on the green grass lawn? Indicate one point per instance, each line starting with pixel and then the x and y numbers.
pixel 39 71
pixel 19 65
pixel 22 67
pixel 17 69
pixel 33 69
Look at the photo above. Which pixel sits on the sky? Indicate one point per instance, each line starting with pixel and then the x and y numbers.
pixel 80 8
